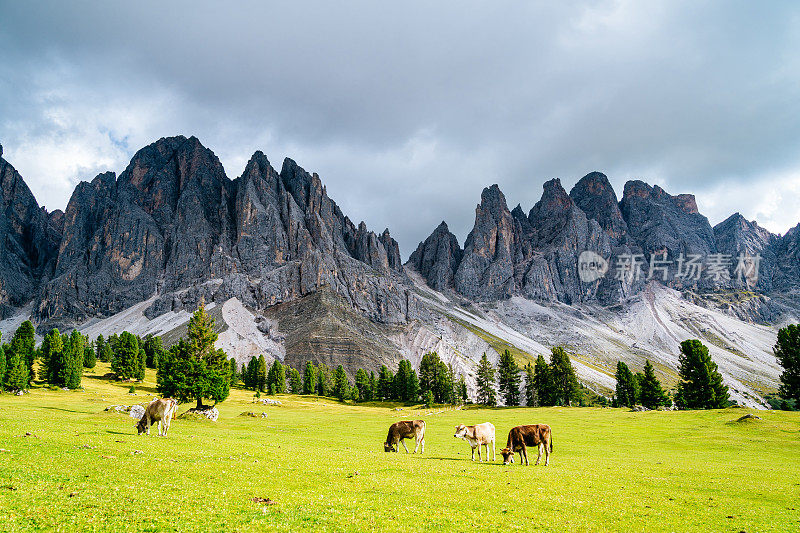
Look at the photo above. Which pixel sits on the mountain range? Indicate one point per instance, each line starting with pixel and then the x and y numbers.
pixel 287 274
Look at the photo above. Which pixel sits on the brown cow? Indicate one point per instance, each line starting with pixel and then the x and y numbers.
pixel 405 429
pixel 520 437
pixel 161 411
pixel 477 436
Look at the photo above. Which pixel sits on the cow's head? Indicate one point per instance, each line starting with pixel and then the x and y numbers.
pixel 461 431
pixel 141 427
pixel 388 447
pixel 508 456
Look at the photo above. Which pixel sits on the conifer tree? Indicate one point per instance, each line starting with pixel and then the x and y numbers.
pixel 73 360
pixel 16 377
pixel 787 350
pixel 508 378
pixel 2 364
pixel 295 381
pixel 651 395
pixel 125 362
pixel 542 382
pixel 627 389
pixel 341 386
pixel 52 357
pixel 260 376
pixel 23 343
pixel 531 398
pixel 385 384
pixel 89 357
pixel 362 385
pixel 373 386
pixel 104 351
pixel 701 384
pixel 276 378
pixel 309 378
pixel 194 368
pixel 234 371
pixel 153 348
pixel 485 381
pixel 562 377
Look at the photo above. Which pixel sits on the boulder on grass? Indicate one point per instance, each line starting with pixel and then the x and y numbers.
pixel 204 413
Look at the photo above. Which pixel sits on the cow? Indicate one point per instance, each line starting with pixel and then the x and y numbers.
pixel 520 437
pixel 161 411
pixel 477 436
pixel 405 429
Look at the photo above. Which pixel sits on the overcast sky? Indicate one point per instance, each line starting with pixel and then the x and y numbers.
pixel 407 110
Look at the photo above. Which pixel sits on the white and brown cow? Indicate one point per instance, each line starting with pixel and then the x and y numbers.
pixel 405 429
pixel 161 411
pixel 520 437
pixel 477 436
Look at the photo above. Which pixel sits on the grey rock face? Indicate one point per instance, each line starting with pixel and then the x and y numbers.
pixel 486 271
pixel 175 227
pixel 787 261
pixel 437 258
pixel 736 236
pixel 595 196
pixel 28 240
pixel 660 223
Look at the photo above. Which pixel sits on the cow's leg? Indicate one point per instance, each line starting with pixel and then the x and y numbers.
pixel 403 442
pixel 422 445
pixel 148 424
pixel 494 456
pixel 540 453
pixel 473 452
pixel 524 454
pixel 547 453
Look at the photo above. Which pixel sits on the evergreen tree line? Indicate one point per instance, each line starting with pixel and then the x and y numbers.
pixel 700 385
pixel 62 359
pixel 435 383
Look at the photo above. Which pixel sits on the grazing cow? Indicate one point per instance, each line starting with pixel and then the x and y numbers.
pixel 520 437
pixel 159 410
pixel 405 429
pixel 477 436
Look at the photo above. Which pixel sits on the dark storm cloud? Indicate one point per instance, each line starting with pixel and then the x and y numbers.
pixel 407 110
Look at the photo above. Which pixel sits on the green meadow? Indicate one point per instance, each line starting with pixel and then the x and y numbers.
pixel 66 464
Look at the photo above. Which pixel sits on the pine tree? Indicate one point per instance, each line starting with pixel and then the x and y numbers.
pixel 542 382
pixel 362 385
pixel 23 343
pixel 651 395
pixel 436 377
pixel 701 384
pixel 427 399
pixel 73 360
pixel 249 373
pixel 260 376
pixel 324 383
pixel 89 357
pixel 562 377
pixel 463 394
pixel 104 352
pixel 153 348
pixel 276 378
pixel 508 378
pixel 16 377
pixel 141 363
pixel 52 358
pixel 627 389
pixel 341 386
pixel 233 372
pixel 531 398
pixel 485 380
pixel 125 362
pixel 309 378
pixel 385 384
pixel 406 383
pixel 2 364
pixel 295 381
pixel 194 369
pixel 787 350
pixel 373 386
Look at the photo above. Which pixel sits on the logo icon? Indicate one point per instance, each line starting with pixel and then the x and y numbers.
pixel 591 266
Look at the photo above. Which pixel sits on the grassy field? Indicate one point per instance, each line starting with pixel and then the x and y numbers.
pixel 323 465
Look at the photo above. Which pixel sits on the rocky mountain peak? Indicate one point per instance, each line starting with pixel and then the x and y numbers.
pixel 437 258
pixel 595 196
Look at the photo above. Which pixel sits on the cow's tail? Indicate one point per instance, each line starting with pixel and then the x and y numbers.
pixel 551 442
